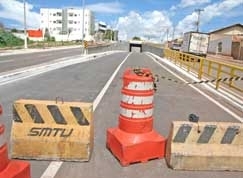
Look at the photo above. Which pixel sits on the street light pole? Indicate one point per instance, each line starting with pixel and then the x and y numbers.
pixel 83 2
pixel 198 17
pixel 25 34
pixel 83 34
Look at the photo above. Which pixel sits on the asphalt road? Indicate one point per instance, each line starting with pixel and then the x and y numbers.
pixel 11 62
pixel 83 82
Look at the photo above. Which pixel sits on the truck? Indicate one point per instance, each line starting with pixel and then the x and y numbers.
pixel 175 46
pixel 195 43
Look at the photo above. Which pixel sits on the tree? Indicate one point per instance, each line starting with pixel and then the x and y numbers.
pixel 136 38
pixel 109 34
pixel 47 34
pixel 1 25
pixel 14 30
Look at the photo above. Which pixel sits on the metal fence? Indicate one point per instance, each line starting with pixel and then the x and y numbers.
pixel 221 73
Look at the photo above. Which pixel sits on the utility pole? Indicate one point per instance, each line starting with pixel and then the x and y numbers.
pixel 25 34
pixel 173 34
pixel 198 17
pixel 83 34
pixel 167 34
pixel 83 4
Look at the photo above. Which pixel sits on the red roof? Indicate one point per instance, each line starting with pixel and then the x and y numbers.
pixel 35 33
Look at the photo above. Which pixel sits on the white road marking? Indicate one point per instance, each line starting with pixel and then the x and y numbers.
pixel 198 90
pixel 54 166
pixel 27 72
pixel 6 61
pixel 101 94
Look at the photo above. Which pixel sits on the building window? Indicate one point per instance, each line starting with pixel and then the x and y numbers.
pixel 59 14
pixel 70 14
pixel 70 22
pixel 220 47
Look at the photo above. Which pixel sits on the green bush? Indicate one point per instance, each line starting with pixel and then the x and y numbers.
pixel 7 39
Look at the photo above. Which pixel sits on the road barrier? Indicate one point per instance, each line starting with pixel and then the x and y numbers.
pixel 52 130
pixel 199 82
pixel 11 168
pixel 135 140
pixel 209 68
pixel 205 146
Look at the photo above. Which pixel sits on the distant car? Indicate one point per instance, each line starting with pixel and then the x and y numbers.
pixel 176 46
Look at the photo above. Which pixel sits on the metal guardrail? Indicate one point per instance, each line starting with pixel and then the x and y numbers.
pixel 209 68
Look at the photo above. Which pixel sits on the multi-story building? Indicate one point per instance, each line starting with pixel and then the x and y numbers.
pixel 67 24
pixel 100 30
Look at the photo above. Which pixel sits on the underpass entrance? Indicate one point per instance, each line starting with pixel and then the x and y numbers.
pixel 135 46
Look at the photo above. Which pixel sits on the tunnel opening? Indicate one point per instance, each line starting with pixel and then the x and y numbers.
pixel 137 45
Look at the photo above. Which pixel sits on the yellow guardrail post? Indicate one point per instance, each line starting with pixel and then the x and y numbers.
pixel 209 67
pixel 218 75
pixel 232 74
pixel 200 72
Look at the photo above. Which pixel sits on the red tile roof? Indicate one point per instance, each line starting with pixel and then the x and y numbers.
pixel 35 33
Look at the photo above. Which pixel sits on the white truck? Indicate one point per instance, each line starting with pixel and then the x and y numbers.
pixel 195 43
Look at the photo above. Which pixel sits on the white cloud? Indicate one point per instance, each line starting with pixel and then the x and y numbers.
pixel 219 9
pixel 110 7
pixel 14 10
pixel 149 25
pixel 187 3
pixel 211 11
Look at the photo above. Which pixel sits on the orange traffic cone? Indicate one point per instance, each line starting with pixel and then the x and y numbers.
pixel 10 168
pixel 135 140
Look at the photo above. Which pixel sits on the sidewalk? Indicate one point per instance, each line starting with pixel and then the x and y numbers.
pixel 33 50
pixel 225 59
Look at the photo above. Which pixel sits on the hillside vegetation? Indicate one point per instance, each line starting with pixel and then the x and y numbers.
pixel 7 39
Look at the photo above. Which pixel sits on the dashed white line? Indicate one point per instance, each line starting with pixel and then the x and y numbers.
pixel 6 61
pixel 54 166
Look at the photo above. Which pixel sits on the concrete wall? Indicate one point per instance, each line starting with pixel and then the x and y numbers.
pixel 153 49
pixel 226 45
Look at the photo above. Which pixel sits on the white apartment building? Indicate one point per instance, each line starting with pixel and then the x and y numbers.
pixel 67 24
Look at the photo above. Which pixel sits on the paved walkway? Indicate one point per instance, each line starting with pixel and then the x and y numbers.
pixel 225 59
pixel 31 50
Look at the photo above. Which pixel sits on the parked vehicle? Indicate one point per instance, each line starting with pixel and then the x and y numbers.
pixel 195 43
pixel 176 46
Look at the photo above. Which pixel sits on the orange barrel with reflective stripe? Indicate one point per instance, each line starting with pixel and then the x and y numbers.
pixel 3 150
pixel 1 110
pixel 136 107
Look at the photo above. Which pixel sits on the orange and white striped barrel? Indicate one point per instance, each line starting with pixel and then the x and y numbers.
pixel 3 149
pixel 1 110
pixel 2 138
pixel 3 146
pixel 136 108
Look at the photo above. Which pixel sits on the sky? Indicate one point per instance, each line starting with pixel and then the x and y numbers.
pixel 156 20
